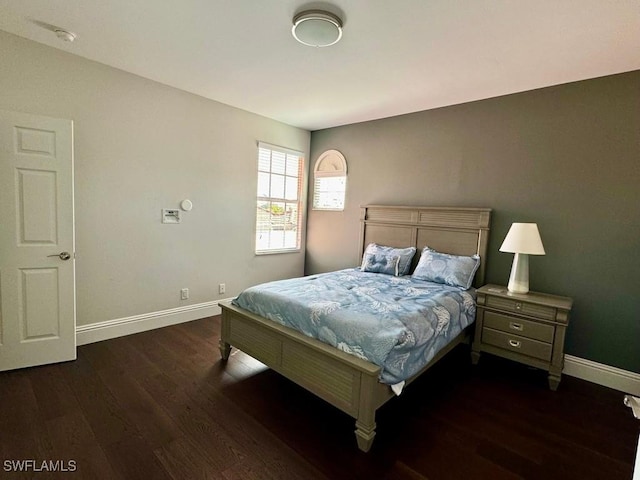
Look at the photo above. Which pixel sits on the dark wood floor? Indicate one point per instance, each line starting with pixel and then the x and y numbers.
pixel 161 405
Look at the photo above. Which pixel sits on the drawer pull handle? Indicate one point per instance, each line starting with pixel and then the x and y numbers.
pixel 518 306
pixel 515 326
pixel 514 343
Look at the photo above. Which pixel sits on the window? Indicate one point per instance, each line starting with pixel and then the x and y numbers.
pixel 330 181
pixel 278 212
pixel 329 192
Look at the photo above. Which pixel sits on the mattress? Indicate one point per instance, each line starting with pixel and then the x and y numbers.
pixel 397 323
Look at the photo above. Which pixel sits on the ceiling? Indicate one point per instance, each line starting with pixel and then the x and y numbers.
pixel 395 56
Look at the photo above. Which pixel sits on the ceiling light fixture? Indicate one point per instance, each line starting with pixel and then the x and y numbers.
pixel 65 35
pixel 317 28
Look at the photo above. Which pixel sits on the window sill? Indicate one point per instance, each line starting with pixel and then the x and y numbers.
pixel 276 252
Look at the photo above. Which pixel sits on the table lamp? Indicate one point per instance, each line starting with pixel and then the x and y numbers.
pixel 523 239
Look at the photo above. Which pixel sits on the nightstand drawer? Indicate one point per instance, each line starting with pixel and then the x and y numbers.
pixel 517 344
pixel 523 308
pixel 519 326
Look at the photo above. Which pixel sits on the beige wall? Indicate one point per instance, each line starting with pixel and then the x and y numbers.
pixel 566 157
pixel 139 147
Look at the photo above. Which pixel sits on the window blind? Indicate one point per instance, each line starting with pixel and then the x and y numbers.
pixel 278 207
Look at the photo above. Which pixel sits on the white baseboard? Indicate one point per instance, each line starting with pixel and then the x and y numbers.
pixel 612 377
pixel 97 332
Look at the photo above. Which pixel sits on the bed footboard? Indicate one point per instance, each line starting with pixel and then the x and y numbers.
pixel 346 382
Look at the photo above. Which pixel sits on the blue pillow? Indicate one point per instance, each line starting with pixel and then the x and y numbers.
pixel 453 270
pixel 403 255
pixel 378 263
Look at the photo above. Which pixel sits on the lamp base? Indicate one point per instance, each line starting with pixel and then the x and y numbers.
pixel 519 278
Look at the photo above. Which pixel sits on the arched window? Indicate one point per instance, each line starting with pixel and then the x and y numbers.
pixel 330 181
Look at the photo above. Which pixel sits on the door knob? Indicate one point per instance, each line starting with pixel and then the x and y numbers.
pixel 62 255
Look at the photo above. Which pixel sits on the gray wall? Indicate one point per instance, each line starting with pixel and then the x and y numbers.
pixel 565 157
pixel 139 147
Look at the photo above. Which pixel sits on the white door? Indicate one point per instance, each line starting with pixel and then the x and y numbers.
pixel 37 267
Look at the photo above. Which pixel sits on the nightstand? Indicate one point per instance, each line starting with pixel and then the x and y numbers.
pixel 528 328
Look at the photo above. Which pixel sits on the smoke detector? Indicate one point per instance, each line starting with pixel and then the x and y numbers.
pixel 64 35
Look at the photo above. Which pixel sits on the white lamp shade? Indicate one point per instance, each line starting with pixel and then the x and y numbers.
pixel 523 238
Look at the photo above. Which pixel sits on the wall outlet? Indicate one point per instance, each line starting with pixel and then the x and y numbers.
pixel 184 294
pixel 222 288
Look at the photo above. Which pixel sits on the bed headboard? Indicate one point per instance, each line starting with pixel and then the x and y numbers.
pixel 455 230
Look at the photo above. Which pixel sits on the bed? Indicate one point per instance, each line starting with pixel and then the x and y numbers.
pixel 344 380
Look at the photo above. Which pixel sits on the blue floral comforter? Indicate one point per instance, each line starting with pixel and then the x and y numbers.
pixel 398 323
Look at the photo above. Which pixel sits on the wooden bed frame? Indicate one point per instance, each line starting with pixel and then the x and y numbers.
pixel 345 381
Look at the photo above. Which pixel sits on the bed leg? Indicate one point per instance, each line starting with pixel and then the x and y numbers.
pixel 365 435
pixel 475 357
pixel 366 419
pixel 225 349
